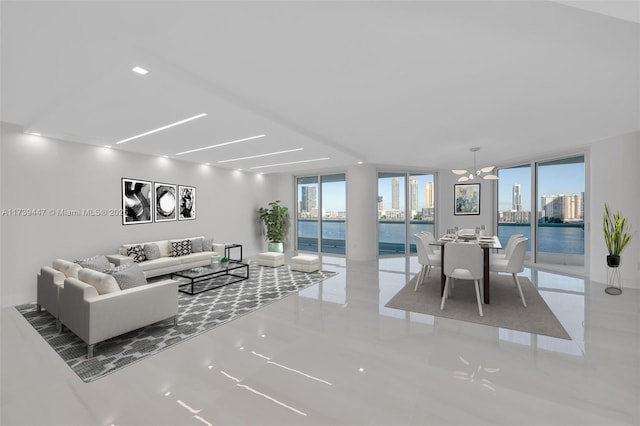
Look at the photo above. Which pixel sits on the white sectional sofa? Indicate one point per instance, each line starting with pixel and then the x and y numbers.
pixel 96 317
pixel 50 283
pixel 166 263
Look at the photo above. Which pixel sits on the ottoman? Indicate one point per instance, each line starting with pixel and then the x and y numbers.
pixel 270 258
pixel 305 263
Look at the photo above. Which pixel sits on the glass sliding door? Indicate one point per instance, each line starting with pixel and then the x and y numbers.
pixel 560 225
pixel 406 206
pixel 514 203
pixel 391 213
pixel 421 206
pixel 334 213
pixel 307 216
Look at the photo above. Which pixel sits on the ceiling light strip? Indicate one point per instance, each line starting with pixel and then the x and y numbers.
pixel 286 164
pixel 177 123
pixel 261 155
pixel 221 144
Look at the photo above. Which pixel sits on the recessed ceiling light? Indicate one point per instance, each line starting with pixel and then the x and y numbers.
pixel 177 123
pixel 221 144
pixel 207 164
pixel 359 162
pixel 261 155
pixel 165 156
pixel 140 70
pixel 239 170
pixel 107 146
pixel 292 162
pixel 36 134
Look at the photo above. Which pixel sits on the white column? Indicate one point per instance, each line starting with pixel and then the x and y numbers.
pixel 362 218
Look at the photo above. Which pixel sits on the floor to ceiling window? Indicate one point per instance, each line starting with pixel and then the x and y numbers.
pixel 403 195
pixel 560 226
pixel 321 213
pixel 547 206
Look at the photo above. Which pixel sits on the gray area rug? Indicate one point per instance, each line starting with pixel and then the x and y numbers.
pixel 196 314
pixel 505 309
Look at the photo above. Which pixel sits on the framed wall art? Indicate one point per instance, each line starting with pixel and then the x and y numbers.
pixel 166 202
pixel 466 199
pixel 136 201
pixel 186 202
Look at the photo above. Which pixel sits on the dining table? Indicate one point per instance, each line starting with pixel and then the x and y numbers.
pixel 487 243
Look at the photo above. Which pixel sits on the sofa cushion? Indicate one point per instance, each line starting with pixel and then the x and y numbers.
pixel 129 276
pixel 69 269
pixel 180 248
pixel 163 245
pixel 196 257
pixel 137 253
pixel 151 251
pixel 103 283
pixel 207 244
pixel 197 244
pixel 161 262
pixel 97 263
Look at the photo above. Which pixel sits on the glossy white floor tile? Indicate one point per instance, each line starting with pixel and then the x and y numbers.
pixel 333 354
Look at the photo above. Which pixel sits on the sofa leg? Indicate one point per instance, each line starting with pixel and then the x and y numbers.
pixel 175 321
pixel 39 308
pixel 90 351
pixel 58 325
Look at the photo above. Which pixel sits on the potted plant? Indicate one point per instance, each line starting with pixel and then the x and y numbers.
pixel 275 219
pixel 617 233
pixel 224 262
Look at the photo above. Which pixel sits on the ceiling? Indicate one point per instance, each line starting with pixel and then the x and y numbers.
pixel 409 84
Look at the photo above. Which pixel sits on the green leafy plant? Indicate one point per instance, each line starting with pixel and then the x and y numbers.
pixel 617 231
pixel 275 219
pixel 224 260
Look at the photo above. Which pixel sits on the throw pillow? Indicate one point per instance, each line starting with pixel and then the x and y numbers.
pixel 196 245
pixel 180 248
pixel 137 253
pixel 102 282
pixel 207 244
pixel 151 251
pixel 98 263
pixel 129 276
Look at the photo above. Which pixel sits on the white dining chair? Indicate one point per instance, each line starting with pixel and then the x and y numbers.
pixel 426 260
pixel 463 261
pixel 513 264
pixel 508 247
pixel 431 240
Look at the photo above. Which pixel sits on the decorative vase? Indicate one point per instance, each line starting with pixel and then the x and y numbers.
pixel 224 264
pixel 276 247
pixel 613 261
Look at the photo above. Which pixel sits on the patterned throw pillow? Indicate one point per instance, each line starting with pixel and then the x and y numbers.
pixel 151 251
pixel 196 245
pixel 137 252
pixel 129 276
pixel 180 248
pixel 98 263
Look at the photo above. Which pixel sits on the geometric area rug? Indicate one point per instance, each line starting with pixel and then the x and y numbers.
pixel 196 314
pixel 504 311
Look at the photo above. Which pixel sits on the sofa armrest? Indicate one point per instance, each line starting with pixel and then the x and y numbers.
pixel 119 260
pixel 50 284
pixel 219 248
pixel 74 306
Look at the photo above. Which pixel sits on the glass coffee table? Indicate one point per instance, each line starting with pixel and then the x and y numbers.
pixel 205 278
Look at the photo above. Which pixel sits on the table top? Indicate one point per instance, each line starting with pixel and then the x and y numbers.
pixel 490 241
pixel 208 270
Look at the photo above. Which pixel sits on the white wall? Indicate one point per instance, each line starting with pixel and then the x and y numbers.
pixel 43 173
pixel 615 180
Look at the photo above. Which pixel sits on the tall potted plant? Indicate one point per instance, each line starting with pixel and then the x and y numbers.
pixel 275 219
pixel 617 233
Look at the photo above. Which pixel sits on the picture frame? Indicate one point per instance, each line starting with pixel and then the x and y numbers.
pixel 186 202
pixel 166 202
pixel 466 198
pixel 137 201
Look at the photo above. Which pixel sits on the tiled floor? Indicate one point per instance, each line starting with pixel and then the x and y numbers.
pixel 335 355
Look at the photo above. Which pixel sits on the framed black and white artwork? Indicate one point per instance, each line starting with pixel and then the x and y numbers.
pixel 187 202
pixel 136 201
pixel 165 197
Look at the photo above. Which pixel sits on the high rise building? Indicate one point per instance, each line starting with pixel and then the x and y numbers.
pixel 309 199
pixel 413 195
pixel 380 203
pixel 395 193
pixel 428 195
pixel 516 204
pixel 562 206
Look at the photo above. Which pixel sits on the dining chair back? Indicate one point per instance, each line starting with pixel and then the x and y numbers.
pixel 463 261
pixel 426 259
pixel 513 264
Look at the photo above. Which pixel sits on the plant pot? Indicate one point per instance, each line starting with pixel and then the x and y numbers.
pixel 224 264
pixel 613 261
pixel 276 247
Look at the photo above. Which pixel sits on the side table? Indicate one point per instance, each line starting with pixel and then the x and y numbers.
pixel 227 251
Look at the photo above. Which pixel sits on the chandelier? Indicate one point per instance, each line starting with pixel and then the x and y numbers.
pixel 484 173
